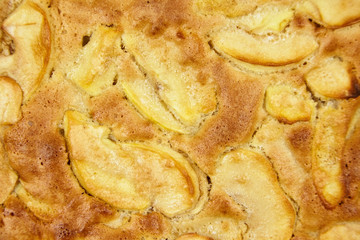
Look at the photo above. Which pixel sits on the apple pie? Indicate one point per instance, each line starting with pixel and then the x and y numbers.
pixel 180 120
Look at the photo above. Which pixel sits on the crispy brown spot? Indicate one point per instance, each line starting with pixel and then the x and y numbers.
pixel 193 50
pixel 299 137
pixel 18 222
pixel 300 21
pixel 73 22
pixel 151 223
pixel 180 34
pixel 153 17
pixel 344 42
pixel 112 109
pixel 224 206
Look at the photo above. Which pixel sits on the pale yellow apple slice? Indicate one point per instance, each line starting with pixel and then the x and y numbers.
pixel 269 50
pixel 333 78
pixel 10 101
pixel 287 104
pixel 8 177
pixel 177 83
pixel 142 94
pixel 249 178
pixel 267 18
pixel 336 13
pixel 95 69
pixel 129 176
pixel 328 144
pixel 29 28
pixel 233 8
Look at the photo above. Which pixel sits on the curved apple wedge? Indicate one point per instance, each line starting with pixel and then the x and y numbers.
pixel 266 50
pixel 249 178
pixel 142 94
pixel 10 101
pixel 176 82
pixel 327 150
pixel 129 175
pixel 334 78
pixel 335 13
pixel 29 28
pixel 96 67
pixel 8 177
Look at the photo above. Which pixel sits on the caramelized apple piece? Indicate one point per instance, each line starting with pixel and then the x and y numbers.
pixel 176 83
pixel 332 79
pixel 8 177
pixel 287 105
pixel 268 50
pixel 329 140
pixel 10 101
pixel 336 13
pixel 192 236
pixel 96 68
pixel 29 28
pixel 129 175
pixel 249 178
pixel 267 18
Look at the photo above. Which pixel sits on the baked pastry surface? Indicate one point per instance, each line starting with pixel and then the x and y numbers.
pixel 186 120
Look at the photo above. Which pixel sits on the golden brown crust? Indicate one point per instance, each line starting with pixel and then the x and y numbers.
pixel 299 138
pixel 19 223
pixel 261 98
pixel 113 109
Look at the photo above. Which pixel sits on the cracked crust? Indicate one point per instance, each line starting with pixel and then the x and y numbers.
pixel 274 171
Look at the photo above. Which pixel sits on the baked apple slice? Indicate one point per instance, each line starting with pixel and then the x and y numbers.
pixel 333 78
pixel 10 101
pixel 266 50
pixel 95 69
pixel 176 83
pixel 249 178
pixel 129 176
pixel 29 28
pixel 141 92
pixel 329 140
pixel 334 13
pixel 231 9
pixel 287 104
pixel 268 18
